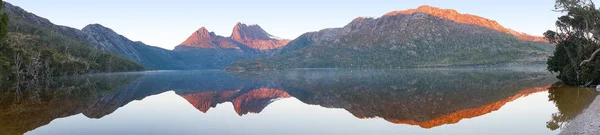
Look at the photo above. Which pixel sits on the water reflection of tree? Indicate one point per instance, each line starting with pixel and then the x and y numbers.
pixel 32 91
pixel 29 104
pixel 570 101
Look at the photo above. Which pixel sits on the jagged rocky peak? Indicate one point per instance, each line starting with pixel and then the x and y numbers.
pixel 255 37
pixel 243 32
pixel 456 16
pixel 202 32
pixel 246 36
pixel 200 38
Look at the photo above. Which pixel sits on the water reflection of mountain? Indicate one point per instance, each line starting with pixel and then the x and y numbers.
pixel 455 117
pixel 427 98
pixel 253 101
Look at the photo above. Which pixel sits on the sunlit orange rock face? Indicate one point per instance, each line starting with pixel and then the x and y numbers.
pixel 255 37
pixel 470 113
pixel 453 15
pixel 202 38
pixel 253 101
pixel 251 36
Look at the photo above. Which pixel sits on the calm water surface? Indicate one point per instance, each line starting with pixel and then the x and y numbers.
pixel 312 101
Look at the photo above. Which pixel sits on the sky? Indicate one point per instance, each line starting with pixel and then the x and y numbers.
pixel 167 23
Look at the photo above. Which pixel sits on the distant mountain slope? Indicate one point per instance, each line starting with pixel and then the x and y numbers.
pixel 403 40
pixel 149 56
pixel 206 50
pixel 468 19
pixel 201 50
pixel 41 48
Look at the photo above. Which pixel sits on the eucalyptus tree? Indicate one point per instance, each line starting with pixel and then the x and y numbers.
pixel 576 37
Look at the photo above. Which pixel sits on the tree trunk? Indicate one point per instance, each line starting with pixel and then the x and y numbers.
pixel 591 57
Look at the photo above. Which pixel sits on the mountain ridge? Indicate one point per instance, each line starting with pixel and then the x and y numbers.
pixel 63 50
pixel 400 41
pixel 456 16
pixel 149 56
pixel 242 36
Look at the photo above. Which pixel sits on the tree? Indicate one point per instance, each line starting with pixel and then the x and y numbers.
pixel 576 37
pixel 3 24
pixel 4 66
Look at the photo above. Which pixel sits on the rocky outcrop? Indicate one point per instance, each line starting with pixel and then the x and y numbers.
pixel 251 38
pixel 208 50
pixel 202 38
pixel 453 15
pixel 110 41
pixel 255 37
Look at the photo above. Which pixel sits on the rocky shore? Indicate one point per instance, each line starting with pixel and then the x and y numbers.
pixel 586 123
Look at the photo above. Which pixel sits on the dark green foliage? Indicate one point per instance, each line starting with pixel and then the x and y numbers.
pixel 3 27
pixel 576 43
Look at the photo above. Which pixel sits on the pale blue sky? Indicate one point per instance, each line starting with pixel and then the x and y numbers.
pixel 166 23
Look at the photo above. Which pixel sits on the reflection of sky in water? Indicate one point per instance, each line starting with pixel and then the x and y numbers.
pixel 169 113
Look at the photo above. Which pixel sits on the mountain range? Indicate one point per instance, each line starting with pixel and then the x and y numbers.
pixel 202 50
pixel 208 50
pixel 468 19
pixel 247 37
pixel 423 37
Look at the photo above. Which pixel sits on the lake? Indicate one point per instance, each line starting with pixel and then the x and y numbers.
pixel 427 101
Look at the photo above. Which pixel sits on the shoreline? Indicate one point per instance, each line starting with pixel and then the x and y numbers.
pixel 586 123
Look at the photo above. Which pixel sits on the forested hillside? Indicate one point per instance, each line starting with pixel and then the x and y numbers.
pixel 33 48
